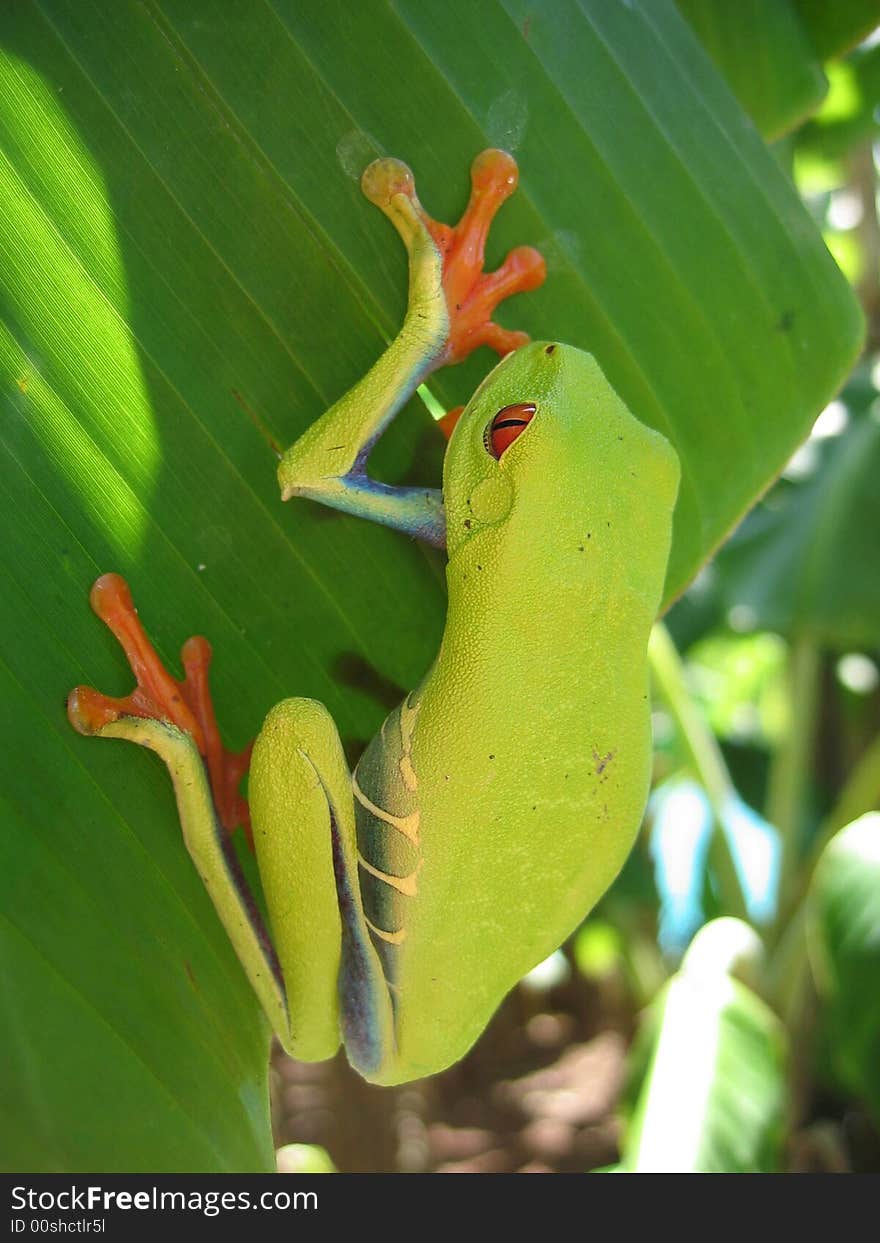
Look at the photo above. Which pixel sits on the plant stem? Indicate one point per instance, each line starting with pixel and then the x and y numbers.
pixel 860 794
pixel 791 765
pixel 787 977
pixel 705 757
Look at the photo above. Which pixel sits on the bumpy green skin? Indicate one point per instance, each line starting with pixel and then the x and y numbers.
pixel 531 746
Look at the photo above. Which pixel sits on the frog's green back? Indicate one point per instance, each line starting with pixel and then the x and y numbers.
pixel 519 770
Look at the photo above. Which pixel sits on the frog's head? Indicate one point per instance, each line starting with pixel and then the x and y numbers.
pixel 544 454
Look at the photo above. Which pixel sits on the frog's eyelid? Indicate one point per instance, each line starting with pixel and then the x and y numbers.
pixel 506 426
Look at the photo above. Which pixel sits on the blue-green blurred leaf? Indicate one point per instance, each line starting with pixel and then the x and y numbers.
pixel 844 905
pixel 681 831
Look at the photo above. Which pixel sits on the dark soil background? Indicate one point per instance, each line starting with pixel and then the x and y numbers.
pixel 538 1093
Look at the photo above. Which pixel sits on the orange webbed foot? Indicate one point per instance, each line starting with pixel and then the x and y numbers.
pixel 471 295
pixel 159 696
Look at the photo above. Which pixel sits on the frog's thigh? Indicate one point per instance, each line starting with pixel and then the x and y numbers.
pixel 304 835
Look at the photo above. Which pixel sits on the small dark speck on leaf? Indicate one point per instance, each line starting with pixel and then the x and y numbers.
pixel 580 548
pixel 785 322
pixel 468 524
pixel 491 757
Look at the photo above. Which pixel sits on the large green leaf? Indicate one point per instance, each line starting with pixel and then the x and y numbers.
pixel 182 241
pixel 804 562
pixel 850 116
pixel 766 56
pixel 771 51
pixel 844 904
pixel 833 28
pixel 712 1100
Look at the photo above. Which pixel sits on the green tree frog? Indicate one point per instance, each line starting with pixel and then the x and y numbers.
pixel 500 799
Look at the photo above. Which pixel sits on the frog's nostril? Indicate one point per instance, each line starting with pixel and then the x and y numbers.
pixel 549 349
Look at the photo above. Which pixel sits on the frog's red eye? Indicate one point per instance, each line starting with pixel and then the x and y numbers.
pixel 508 423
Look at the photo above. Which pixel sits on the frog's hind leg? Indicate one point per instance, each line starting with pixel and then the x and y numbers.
pixel 303 834
pixel 176 720
pixel 305 839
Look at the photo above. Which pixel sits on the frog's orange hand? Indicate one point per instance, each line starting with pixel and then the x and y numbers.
pixel 160 697
pixel 471 295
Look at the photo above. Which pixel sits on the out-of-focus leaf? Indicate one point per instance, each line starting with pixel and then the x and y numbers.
pixel 765 54
pixel 681 832
pixel 834 26
pixel 738 681
pixel 304 1159
pixel 713 1096
pixel 844 903
pixel 848 117
pixel 184 252
pixel 805 562
pixel 598 949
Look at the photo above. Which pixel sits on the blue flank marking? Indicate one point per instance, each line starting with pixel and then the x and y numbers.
pixel 360 1025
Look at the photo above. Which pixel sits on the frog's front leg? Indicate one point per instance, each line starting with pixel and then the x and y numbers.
pixel 449 313
pixel 318 976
